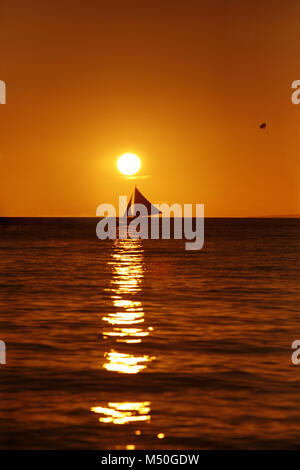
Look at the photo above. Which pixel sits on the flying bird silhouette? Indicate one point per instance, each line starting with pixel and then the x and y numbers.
pixel 263 125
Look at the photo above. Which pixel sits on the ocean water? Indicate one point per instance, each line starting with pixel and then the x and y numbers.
pixel 141 343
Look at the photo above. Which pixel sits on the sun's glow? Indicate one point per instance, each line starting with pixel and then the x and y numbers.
pixel 129 164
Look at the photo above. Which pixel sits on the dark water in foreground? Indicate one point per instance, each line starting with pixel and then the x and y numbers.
pixel 110 344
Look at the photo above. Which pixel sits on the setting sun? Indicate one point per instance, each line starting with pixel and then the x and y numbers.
pixel 129 164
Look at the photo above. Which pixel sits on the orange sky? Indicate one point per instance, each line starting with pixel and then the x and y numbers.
pixel 183 84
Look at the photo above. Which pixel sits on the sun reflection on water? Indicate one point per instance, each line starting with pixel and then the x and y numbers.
pixel 125 363
pixel 122 413
pixel 126 325
pixel 126 322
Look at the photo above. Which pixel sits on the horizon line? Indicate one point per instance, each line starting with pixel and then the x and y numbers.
pixel 280 216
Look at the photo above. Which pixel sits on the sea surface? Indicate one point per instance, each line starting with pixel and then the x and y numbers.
pixel 142 344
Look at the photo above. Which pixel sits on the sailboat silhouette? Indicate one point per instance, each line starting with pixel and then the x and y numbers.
pixel 138 198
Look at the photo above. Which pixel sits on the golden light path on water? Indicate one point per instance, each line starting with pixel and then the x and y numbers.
pixel 122 413
pixel 125 324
